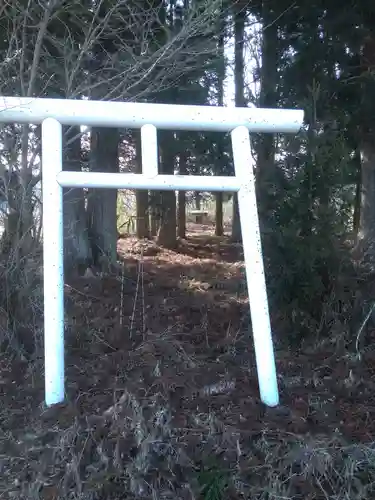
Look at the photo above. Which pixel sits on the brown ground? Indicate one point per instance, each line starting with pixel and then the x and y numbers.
pixel 162 396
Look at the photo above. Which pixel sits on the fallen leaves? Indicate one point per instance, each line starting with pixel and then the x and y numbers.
pixel 174 387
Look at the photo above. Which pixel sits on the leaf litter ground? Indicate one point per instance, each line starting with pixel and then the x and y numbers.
pixel 162 396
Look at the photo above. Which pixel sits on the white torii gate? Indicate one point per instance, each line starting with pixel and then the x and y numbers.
pixel 53 113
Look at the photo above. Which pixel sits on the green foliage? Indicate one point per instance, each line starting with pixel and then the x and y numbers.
pixel 308 215
pixel 213 483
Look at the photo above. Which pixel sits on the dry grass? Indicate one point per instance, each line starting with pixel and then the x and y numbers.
pixel 162 399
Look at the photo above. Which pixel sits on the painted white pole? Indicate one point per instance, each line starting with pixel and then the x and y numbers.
pixel 135 115
pixel 52 113
pixel 256 284
pixel 140 181
pixel 53 262
pixel 149 141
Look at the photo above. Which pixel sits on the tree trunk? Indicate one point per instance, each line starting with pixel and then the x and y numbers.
pixel 77 251
pixel 155 223
pixel 236 222
pixel 102 203
pixel 367 217
pixel 357 200
pixel 268 99
pixel 154 203
pixel 219 229
pixel 143 217
pixel 141 196
pixel 198 206
pixel 182 199
pixel 239 32
pixel 198 200
pixel 167 236
pixel 167 232
pixel 309 183
pixel 366 236
pixel 308 186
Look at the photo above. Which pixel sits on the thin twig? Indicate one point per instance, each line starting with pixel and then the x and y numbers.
pixel 364 322
pixel 135 301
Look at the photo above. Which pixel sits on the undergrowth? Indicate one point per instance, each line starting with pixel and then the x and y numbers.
pixel 162 399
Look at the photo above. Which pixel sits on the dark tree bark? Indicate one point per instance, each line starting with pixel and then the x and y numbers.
pixel 236 236
pixel 182 199
pixel 102 203
pixel 155 203
pixel 198 200
pixel 239 36
pixel 142 198
pixel 167 236
pixel 219 229
pixel 268 99
pixel 357 200
pixel 367 212
pixel 366 236
pixel 77 251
